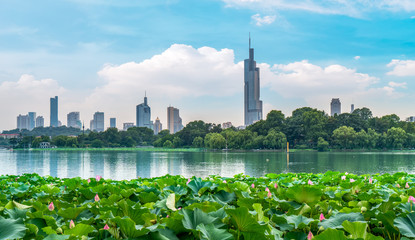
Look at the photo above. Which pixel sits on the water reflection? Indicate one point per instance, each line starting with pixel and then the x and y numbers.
pixel 128 165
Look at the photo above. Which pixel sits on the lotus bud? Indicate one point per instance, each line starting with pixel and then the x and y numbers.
pixel 98 178
pixel 322 217
pixel 346 173
pixel 51 206
pixel 343 177
pixel 267 189
pixel 411 199
pixel 71 224
pixel 89 180
pixel 310 236
pixel 252 185
pixel 310 182
pixel 188 181
pixel 276 185
pixel 96 198
pixel 59 230
pixel 363 209
pixel 352 180
pixel 397 185
pixel 167 216
pixel 365 177
pixel 269 194
pixel 406 185
pixel 224 181
pixel 370 180
pixel 106 227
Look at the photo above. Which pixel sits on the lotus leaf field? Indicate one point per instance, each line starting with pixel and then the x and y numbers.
pixel 278 206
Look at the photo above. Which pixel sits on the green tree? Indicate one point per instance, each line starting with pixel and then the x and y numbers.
pixel 215 141
pixel 167 144
pixel 198 142
pixel 395 138
pixel 344 137
pixel 97 143
pixel 362 139
pixel 177 142
pixel 322 145
pixel 275 140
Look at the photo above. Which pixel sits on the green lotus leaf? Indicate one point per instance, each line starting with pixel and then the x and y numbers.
pixel 72 183
pixel 163 234
pixel 295 236
pixel 205 206
pixel 259 213
pixel 406 225
pixel 146 197
pixel 337 220
pixel 355 229
pixel 80 229
pixel 171 202
pixel 224 197
pixel 128 227
pixel 298 219
pixel 387 221
pixel 244 221
pixel 50 189
pixel 193 218
pixel 56 237
pixel 198 186
pixel 178 190
pixel 11 228
pixel 70 213
pixel 210 232
pixel 331 234
pixel 133 213
pixel 16 213
pixel 304 193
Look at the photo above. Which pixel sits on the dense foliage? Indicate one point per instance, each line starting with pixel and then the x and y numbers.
pixel 279 206
pixel 306 128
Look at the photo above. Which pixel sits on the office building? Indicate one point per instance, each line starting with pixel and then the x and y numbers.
pixel 174 122
pixel 32 120
pixel 143 115
pixel 252 104
pixel 410 119
pixel 335 106
pixel 23 122
pixel 157 126
pixel 97 124
pixel 227 125
pixel 54 121
pixel 127 126
pixel 40 121
pixel 74 120
pixel 352 108
pixel 113 122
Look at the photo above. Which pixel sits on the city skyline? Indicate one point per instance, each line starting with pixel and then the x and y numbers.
pixel 190 55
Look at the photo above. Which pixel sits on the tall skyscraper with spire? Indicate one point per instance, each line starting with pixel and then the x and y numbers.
pixel 143 114
pixel 253 106
pixel 54 121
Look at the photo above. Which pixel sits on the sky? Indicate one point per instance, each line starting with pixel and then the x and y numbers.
pixel 105 55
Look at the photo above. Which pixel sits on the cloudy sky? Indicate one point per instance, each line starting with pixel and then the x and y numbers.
pixel 103 55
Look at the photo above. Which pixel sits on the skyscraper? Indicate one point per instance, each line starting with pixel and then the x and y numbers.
pixel 174 122
pixel 253 106
pixel 74 120
pixel 143 115
pixel 113 122
pixel 335 106
pixel 23 122
pixel 352 108
pixel 97 124
pixel 40 121
pixel 157 126
pixel 32 120
pixel 54 122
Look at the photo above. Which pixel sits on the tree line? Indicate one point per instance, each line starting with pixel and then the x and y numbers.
pixel 306 128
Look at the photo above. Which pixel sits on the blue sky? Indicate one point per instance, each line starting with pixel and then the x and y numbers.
pixel 103 55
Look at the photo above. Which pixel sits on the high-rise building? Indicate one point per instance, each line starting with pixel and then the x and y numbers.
pixel 23 122
pixel 97 124
pixel 157 126
pixel 74 120
pixel 32 120
pixel 226 125
pixel 410 119
pixel 127 126
pixel 335 106
pixel 143 115
pixel 54 122
pixel 113 122
pixel 174 122
pixel 252 104
pixel 40 121
pixel 352 108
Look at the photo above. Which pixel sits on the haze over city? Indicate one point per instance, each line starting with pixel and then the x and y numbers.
pixel 104 56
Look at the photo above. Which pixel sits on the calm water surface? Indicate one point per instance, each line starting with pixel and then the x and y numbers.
pixel 127 165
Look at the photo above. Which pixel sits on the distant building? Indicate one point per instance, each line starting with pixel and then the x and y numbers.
pixel 32 120
pixel 252 104
pixel 226 125
pixel 97 124
pixel 40 121
pixel 74 120
pixel 23 122
pixel 54 122
pixel 113 123
pixel 9 136
pixel 410 119
pixel 127 126
pixel 157 126
pixel 174 122
pixel 352 108
pixel 335 106
pixel 143 115
pixel 44 145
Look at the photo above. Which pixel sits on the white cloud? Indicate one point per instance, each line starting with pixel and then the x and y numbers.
pixel 353 8
pixel 397 85
pixel 402 68
pixel 357 57
pixel 265 20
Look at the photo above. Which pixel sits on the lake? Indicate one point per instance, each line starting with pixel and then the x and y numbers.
pixel 130 164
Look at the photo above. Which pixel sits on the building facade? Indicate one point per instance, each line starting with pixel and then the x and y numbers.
pixel 126 126
pixel 40 121
pixel 226 125
pixel 32 120
pixel 252 104
pixel 335 106
pixel 97 124
pixel 54 121
pixel 157 126
pixel 174 122
pixel 143 115
pixel 113 123
pixel 410 119
pixel 74 120
pixel 23 122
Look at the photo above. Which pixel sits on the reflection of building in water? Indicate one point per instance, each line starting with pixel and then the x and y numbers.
pixel 8 163
pixel 74 164
pixel 142 164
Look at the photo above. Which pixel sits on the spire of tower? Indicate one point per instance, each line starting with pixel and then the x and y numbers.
pixel 249 39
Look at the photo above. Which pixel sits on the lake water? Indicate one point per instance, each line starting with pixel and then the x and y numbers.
pixel 127 165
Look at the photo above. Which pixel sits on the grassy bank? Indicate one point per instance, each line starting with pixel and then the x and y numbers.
pixel 279 206
pixel 143 149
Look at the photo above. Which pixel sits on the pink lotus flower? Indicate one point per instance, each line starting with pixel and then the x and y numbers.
pixel 167 216
pixel 310 182
pixel 322 217
pixel 96 198
pixel 397 185
pixel 370 180
pixel 253 185
pixel 71 224
pixel 407 185
pixel 179 208
pixel 352 180
pixel 269 194
pixel 51 206
pixel 411 199
pixel 224 181
pixel 276 185
pixel 188 181
pixel 310 236
pixel 365 177
pixel 343 177
pixel 346 173
pixel 98 178
pixel 267 189
pixel 89 180
pixel 106 227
